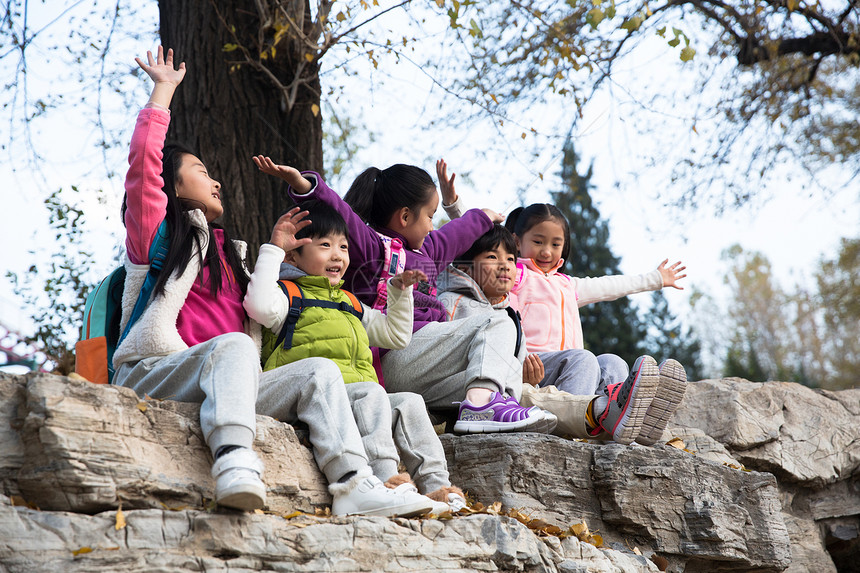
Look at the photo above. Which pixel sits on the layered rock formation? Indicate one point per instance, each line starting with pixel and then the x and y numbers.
pixel 96 479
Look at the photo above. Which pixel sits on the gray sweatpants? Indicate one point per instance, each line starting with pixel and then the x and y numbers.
pixel 581 373
pixel 223 374
pixel 392 423
pixel 445 359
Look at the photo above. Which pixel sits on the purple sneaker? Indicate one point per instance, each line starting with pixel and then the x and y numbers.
pixel 629 401
pixel 502 415
pixel 667 397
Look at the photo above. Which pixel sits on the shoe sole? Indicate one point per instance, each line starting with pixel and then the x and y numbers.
pixel 242 497
pixel 538 423
pixel 408 510
pixel 670 391
pixel 639 402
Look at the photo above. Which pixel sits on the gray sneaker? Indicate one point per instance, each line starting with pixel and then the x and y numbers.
pixel 670 391
pixel 629 401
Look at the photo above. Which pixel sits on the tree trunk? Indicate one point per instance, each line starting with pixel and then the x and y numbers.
pixel 228 114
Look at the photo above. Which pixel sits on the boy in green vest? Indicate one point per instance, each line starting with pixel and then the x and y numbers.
pixel 319 319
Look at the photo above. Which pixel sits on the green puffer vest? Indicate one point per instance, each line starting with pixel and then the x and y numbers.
pixel 326 333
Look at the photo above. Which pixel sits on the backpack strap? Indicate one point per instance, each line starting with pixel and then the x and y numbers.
pixel 157 256
pixel 297 299
pixel 298 303
pixel 515 316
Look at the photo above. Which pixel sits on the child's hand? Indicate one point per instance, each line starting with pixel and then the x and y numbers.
pixel 533 371
pixel 446 185
pixel 495 217
pixel 289 174
pixel 163 76
pixel 408 278
pixel 284 232
pixel 671 275
pixel 161 69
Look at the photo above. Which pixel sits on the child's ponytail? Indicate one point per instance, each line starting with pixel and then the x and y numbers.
pixel 376 194
pixel 361 193
pixel 511 220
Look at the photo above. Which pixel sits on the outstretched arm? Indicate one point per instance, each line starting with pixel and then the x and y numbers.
pixel 164 76
pixel 672 275
pixel 289 174
pixel 145 201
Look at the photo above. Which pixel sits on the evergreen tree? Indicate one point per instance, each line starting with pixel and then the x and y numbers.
pixel 608 327
pixel 667 339
pixel 742 361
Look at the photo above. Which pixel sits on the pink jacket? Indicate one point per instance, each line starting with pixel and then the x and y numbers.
pixel 549 302
pixel 202 316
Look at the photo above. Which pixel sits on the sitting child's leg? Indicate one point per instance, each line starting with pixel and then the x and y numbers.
pixel 574 371
pixel 312 391
pixel 221 375
pixel 422 452
pixel 620 416
pixel 613 369
pixel 570 409
pixel 372 413
pixel 445 360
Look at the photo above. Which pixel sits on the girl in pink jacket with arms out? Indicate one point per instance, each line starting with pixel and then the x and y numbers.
pixel 549 302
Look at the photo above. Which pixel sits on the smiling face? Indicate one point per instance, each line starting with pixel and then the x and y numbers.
pixel 543 243
pixel 417 224
pixel 193 184
pixel 326 256
pixel 494 271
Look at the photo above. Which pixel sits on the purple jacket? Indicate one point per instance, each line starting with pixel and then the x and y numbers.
pixel 367 255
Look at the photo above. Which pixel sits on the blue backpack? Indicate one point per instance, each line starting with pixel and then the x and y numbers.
pixel 100 335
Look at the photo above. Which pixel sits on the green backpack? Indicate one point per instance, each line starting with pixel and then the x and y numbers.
pixel 100 335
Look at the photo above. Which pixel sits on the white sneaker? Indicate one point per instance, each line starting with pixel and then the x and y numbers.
pixel 454 504
pixel 371 497
pixel 237 480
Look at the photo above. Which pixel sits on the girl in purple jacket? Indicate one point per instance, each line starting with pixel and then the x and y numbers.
pixel 389 214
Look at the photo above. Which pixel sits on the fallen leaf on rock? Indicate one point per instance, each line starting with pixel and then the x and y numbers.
pixel 581 532
pixel 142 407
pixel 82 550
pixel 676 443
pixel 19 501
pixel 120 519
pixel 76 376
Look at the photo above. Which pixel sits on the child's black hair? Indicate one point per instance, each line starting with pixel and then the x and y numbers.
pixel 376 194
pixel 185 238
pixel 325 220
pixel 520 220
pixel 498 236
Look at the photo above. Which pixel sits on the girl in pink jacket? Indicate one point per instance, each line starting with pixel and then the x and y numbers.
pixel 549 302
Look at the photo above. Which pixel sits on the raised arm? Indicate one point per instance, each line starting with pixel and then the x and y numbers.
pixel 264 301
pixel 145 201
pixel 455 237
